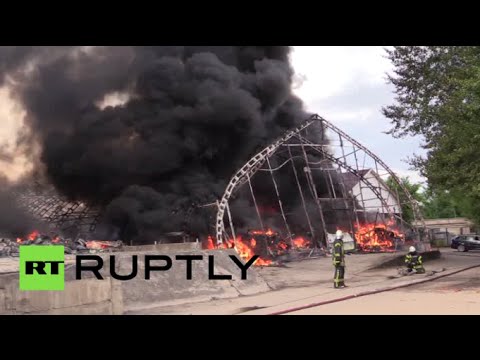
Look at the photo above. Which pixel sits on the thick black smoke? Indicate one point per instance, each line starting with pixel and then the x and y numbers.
pixel 194 115
pixel 15 221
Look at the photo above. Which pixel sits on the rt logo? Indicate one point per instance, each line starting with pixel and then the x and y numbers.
pixel 42 267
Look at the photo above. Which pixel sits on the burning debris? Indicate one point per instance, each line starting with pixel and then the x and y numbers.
pixel 377 238
pixel 273 248
pixel 245 248
pixel 9 247
pixel 269 244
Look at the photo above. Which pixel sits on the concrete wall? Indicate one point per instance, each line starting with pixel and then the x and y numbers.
pixel 80 297
pixel 109 296
pixel 172 287
pixel 448 232
pixel 443 230
pixel 455 226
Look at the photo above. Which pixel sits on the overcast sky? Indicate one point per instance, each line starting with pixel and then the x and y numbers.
pixel 347 86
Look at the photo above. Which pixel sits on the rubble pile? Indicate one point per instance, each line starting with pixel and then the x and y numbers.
pixel 10 247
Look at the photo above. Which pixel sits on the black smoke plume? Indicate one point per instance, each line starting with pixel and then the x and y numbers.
pixel 194 115
pixel 15 221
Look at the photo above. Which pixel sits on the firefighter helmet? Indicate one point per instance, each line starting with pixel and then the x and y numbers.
pixel 412 249
pixel 339 234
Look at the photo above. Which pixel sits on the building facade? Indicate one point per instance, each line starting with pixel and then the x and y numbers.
pixel 443 230
pixel 366 198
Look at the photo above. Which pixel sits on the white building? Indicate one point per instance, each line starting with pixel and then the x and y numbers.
pixel 366 198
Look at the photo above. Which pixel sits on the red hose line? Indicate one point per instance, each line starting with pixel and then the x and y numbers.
pixel 370 292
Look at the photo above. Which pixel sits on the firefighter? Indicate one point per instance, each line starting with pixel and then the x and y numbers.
pixel 414 261
pixel 338 261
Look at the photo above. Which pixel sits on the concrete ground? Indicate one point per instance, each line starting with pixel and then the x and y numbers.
pixel 310 281
pixel 455 295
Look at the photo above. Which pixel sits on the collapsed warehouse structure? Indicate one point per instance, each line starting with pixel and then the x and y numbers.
pixel 340 184
pixel 74 219
pixel 355 197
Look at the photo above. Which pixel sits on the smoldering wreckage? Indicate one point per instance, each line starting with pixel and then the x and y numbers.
pixel 9 247
pixel 182 121
pixel 266 248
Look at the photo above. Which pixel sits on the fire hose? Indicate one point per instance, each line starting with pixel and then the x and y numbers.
pixel 370 292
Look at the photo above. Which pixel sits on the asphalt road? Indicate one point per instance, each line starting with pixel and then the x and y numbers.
pixel 310 281
pixel 458 294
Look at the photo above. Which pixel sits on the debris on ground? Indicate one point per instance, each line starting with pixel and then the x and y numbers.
pixel 10 247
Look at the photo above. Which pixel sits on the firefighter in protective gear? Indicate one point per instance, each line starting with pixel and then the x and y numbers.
pixel 338 261
pixel 414 261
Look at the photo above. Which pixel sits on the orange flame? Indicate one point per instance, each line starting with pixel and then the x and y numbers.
pixel 97 245
pixel 376 237
pixel 246 251
pixel 300 242
pixel 30 237
pixel 268 232
pixel 33 235
pixel 244 248
pixel 210 245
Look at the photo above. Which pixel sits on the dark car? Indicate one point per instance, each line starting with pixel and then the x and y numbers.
pixel 466 242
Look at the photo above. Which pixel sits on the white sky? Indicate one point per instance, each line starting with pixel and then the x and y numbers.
pixel 347 86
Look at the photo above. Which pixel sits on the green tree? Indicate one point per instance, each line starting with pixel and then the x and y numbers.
pixel 443 204
pixel 413 189
pixel 438 98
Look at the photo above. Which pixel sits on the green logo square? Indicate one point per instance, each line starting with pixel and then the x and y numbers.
pixel 42 267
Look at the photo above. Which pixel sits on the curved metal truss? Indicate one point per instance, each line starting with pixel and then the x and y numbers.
pixel 61 214
pixel 347 154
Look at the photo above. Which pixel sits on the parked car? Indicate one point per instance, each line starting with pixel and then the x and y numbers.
pixel 466 242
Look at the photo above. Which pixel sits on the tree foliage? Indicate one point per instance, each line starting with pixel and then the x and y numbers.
pixel 413 189
pixel 438 98
pixel 443 204
pixel 434 204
